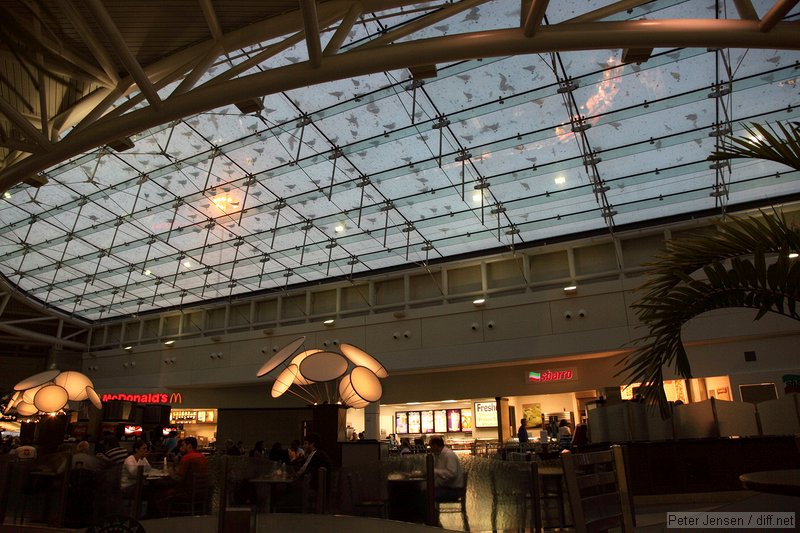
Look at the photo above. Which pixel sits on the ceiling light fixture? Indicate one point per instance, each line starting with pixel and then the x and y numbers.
pixel 169 342
pixel 570 289
pixel 793 255
pixel 329 322
pixel 479 302
pixel 128 348
pixel 560 180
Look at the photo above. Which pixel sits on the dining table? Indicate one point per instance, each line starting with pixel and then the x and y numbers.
pixel 785 482
pixel 266 485
pixel 407 497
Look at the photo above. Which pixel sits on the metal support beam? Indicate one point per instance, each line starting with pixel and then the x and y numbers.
pixel 41 337
pixel 534 18
pixel 343 30
pixel 91 41
pixel 124 53
pixel 775 14
pixel 211 19
pixel 31 133
pixel 424 22
pixel 705 33
pixel 311 26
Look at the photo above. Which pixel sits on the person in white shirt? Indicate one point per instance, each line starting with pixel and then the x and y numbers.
pixel 131 465
pixel 447 471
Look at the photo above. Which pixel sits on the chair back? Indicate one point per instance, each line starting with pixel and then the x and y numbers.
pixel 598 490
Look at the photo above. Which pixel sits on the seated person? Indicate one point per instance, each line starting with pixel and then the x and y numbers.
pixel 181 487
pixel 130 468
pixel 278 454
pixel 447 471
pixel 405 446
pixel 113 454
pixel 296 453
pixel 82 459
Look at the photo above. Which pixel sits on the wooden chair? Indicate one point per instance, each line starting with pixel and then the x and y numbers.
pixel 598 490
pixel 364 506
pixel 198 500
pixel 460 507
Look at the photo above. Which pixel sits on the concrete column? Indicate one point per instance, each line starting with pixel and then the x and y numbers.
pixel 372 421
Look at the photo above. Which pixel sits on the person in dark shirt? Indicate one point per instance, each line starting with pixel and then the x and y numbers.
pixel 522 432
pixel 278 454
pixel 315 459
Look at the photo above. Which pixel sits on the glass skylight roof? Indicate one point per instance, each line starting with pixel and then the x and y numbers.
pixel 377 171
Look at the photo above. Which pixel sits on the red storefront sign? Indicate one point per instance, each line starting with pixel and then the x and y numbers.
pixel 154 397
pixel 566 374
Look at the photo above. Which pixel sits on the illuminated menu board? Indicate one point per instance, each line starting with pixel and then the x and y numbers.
pixel 414 422
pixel 454 420
pixel 427 421
pixel 401 422
pixel 440 421
pixel 466 420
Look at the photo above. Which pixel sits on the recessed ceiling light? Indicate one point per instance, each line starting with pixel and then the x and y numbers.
pixel 147 272
pixel 476 196
pixel 169 342
pixel 7 194
pixel 561 180
pixel 413 403
pixel 329 322
pixel 570 289
pixel 479 301
pixel 129 348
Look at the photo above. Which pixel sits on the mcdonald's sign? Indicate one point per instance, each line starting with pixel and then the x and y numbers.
pixel 148 397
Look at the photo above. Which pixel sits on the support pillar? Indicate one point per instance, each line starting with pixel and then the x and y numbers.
pixel 372 421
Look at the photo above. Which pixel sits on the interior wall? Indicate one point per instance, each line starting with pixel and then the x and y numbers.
pixel 269 425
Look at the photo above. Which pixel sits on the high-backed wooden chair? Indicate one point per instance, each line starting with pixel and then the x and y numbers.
pixel 598 490
pixel 459 505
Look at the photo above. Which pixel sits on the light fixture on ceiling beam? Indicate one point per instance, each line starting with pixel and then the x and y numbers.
pixel 636 55
pixel 36 180
pixel 169 342
pixel 251 106
pixel 479 302
pixel 570 289
pixel 329 322
pixel 419 72
pixel 120 145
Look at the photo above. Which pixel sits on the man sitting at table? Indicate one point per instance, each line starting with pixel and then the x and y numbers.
pixel 192 462
pixel 447 471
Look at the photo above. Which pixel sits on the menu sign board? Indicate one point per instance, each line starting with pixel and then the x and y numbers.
pixel 440 421
pixel 427 421
pixel 485 414
pixel 401 423
pixel 466 420
pixel 414 425
pixel 454 420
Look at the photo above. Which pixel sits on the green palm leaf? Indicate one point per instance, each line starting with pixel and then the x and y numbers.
pixel 691 278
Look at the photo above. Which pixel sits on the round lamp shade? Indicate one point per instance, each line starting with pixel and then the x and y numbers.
pixel 28 395
pixel 75 383
pixel 361 358
pixel 26 409
pixel 280 356
pixel 323 366
pixel 51 398
pixel 93 397
pixel 348 396
pixel 360 386
pixel 37 379
pixel 16 398
pixel 284 380
pixel 299 358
